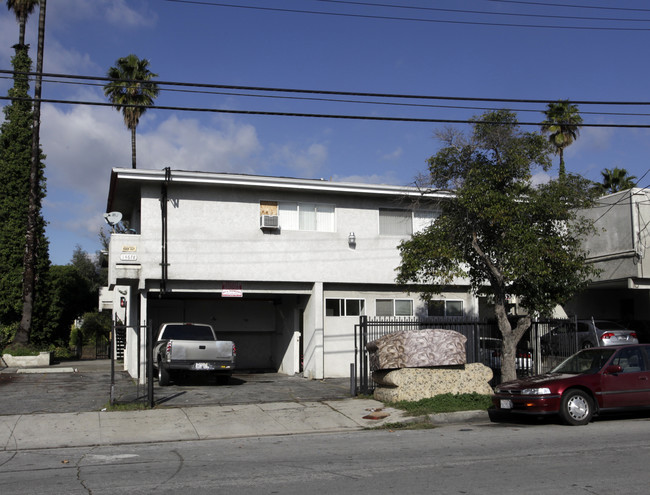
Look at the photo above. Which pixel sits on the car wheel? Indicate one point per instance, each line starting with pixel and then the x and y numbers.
pixel 587 345
pixel 163 376
pixel 576 407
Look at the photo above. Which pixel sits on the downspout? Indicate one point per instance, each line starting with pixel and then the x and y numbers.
pixel 163 210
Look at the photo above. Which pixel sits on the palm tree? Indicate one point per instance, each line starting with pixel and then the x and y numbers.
pixel 22 9
pixel 131 91
pixel 563 127
pixel 30 259
pixel 616 179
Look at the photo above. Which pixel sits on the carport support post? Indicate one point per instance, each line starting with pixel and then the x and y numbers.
pixel 149 365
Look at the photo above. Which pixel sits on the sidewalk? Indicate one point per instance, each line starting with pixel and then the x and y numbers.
pixel 198 422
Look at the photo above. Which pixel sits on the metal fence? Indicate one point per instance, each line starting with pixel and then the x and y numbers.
pixel 484 344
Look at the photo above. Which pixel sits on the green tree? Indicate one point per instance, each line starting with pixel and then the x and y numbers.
pixel 22 9
pixel 498 231
pixel 131 91
pixel 562 125
pixel 615 180
pixel 15 155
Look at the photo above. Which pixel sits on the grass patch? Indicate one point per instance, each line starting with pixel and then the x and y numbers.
pixel 126 406
pixel 444 403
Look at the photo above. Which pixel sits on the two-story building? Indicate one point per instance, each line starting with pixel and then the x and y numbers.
pixel 281 266
pixel 622 290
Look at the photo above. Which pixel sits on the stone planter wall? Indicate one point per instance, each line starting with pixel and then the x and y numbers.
pixel 43 359
pixel 414 384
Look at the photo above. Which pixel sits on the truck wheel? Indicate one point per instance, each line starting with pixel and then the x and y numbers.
pixel 163 376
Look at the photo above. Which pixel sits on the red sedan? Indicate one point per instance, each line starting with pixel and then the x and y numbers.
pixel 590 382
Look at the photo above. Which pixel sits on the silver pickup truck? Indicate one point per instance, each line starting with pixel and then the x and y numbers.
pixel 184 347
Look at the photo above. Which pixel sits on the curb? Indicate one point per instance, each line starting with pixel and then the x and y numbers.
pixel 458 417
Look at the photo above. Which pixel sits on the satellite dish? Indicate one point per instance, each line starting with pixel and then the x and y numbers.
pixel 113 218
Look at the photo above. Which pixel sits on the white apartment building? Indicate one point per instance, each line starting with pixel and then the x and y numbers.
pixel 281 266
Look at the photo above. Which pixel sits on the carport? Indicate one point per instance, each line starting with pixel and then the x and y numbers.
pixel 266 328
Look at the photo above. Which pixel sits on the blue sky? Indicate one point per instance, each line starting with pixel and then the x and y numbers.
pixel 471 54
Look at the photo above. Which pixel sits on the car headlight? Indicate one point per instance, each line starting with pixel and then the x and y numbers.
pixel 536 391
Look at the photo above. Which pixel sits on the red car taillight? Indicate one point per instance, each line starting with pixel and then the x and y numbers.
pixel 633 335
pixel 234 350
pixel 606 335
pixel 168 350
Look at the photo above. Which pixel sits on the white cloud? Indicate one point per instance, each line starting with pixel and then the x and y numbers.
pixel 393 155
pixel 84 143
pixel 304 162
pixel 389 177
pixel 187 145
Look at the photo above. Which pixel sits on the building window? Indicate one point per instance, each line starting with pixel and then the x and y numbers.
pixel 345 307
pixel 395 222
pixel 394 307
pixel 307 216
pixel 405 222
pixel 445 308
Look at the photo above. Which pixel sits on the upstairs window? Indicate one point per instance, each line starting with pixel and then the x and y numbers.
pixel 404 222
pixel 307 216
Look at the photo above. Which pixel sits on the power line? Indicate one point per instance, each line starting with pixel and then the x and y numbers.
pixel 363 102
pixel 335 92
pixel 311 115
pixel 407 19
pixel 482 12
pixel 572 6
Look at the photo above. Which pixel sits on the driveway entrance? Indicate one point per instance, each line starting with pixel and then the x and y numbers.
pixel 61 389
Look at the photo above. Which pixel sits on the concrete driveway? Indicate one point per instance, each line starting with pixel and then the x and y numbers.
pixel 81 386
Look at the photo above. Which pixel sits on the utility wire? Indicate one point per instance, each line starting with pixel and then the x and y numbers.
pixel 309 115
pixel 408 19
pixel 331 92
pixel 340 100
pixel 482 12
pixel 564 5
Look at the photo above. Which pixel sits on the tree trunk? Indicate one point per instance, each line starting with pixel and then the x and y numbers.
pixel 29 274
pixel 511 337
pixel 133 147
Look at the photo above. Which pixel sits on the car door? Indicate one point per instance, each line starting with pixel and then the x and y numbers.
pixel 630 387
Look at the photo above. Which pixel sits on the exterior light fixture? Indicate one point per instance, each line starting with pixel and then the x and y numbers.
pixel 352 240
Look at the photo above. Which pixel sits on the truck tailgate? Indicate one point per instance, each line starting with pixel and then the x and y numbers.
pixel 201 350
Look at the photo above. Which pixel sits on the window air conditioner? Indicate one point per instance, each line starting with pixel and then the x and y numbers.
pixel 269 222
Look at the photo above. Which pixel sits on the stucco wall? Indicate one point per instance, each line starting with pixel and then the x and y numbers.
pixel 214 234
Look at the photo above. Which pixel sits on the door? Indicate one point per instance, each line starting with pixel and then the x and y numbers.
pixel 630 387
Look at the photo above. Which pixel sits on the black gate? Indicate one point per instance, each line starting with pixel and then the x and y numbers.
pixel 484 344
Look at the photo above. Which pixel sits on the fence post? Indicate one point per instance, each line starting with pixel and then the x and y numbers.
pixel 363 368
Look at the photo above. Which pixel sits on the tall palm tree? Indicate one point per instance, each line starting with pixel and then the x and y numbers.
pixel 616 179
pixel 562 124
pixel 30 259
pixel 22 9
pixel 131 91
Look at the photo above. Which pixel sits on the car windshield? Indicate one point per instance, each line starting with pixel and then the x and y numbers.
pixel 587 361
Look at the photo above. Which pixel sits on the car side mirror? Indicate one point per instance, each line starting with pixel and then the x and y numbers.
pixel 612 369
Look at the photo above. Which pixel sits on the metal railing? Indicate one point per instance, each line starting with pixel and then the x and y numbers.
pixel 484 344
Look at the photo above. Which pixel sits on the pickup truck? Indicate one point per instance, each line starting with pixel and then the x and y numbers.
pixel 184 347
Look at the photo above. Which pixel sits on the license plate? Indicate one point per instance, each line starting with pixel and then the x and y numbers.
pixel 506 404
pixel 202 366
